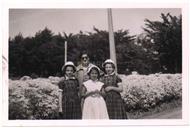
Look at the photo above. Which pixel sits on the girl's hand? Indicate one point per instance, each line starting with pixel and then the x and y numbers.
pixel 89 94
pixel 117 89
pixel 96 91
pixel 109 88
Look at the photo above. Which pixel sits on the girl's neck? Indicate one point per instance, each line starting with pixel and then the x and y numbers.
pixel 109 74
pixel 68 77
pixel 94 80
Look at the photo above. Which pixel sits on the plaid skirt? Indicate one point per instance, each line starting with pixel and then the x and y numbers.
pixel 115 105
pixel 71 107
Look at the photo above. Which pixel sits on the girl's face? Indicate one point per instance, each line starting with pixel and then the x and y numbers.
pixel 109 68
pixel 94 74
pixel 69 71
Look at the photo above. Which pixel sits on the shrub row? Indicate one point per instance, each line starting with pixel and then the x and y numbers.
pixel 38 98
pixel 143 92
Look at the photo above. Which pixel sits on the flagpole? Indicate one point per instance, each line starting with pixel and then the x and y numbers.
pixel 111 38
pixel 65 51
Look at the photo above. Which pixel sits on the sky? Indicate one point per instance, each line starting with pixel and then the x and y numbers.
pixel 30 21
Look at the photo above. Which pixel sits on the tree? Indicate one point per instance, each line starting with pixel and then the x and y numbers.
pixel 16 52
pixel 151 58
pixel 43 54
pixel 43 36
pixel 167 38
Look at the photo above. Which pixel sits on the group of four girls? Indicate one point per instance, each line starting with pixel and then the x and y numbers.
pixel 98 98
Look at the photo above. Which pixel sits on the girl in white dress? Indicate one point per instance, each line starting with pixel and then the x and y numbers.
pixel 94 106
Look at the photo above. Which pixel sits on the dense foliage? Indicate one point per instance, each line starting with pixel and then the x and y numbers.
pixel 159 49
pixel 166 40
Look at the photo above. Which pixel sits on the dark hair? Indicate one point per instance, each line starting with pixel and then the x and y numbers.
pixel 94 69
pixel 83 52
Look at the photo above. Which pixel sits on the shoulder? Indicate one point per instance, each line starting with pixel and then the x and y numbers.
pixel 61 82
pixel 62 78
pixel 79 67
pixel 87 82
pixel 90 64
pixel 100 83
pixel 118 78
pixel 102 79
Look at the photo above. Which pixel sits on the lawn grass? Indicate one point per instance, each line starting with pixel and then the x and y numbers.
pixel 140 114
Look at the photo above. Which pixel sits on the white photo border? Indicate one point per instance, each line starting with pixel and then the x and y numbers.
pixel 10 4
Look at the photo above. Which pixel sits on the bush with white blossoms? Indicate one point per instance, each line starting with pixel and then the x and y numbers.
pixel 33 99
pixel 142 92
pixel 38 98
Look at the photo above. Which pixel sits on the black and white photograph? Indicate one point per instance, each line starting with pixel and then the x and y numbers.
pixel 103 64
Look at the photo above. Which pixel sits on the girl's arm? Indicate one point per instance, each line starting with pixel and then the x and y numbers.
pixel 78 89
pixel 60 100
pixel 60 85
pixel 118 89
pixel 103 91
pixel 83 94
pixel 119 84
pixel 83 91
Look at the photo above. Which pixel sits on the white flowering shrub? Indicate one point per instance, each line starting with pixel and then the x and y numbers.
pixel 33 99
pixel 38 98
pixel 25 78
pixel 142 92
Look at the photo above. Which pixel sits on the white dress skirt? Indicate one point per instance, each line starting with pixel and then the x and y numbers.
pixel 94 107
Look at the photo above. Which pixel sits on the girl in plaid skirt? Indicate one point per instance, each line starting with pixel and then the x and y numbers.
pixel 69 101
pixel 112 88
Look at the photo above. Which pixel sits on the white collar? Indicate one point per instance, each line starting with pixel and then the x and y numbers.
pixel 113 73
pixel 94 81
pixel 69 78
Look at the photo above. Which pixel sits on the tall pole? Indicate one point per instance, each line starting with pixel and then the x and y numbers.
pixel 65 51
pixel 111 38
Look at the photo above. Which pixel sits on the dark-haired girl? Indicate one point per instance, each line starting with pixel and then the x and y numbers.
pixel 69 101
pixel 94 106
pixel 113 87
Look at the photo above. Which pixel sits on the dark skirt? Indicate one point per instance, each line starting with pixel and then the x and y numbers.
pixel 71 107
pixel 115 105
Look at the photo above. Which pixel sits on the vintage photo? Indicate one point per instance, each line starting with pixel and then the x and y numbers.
pixel 94 64
pixel 62 65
